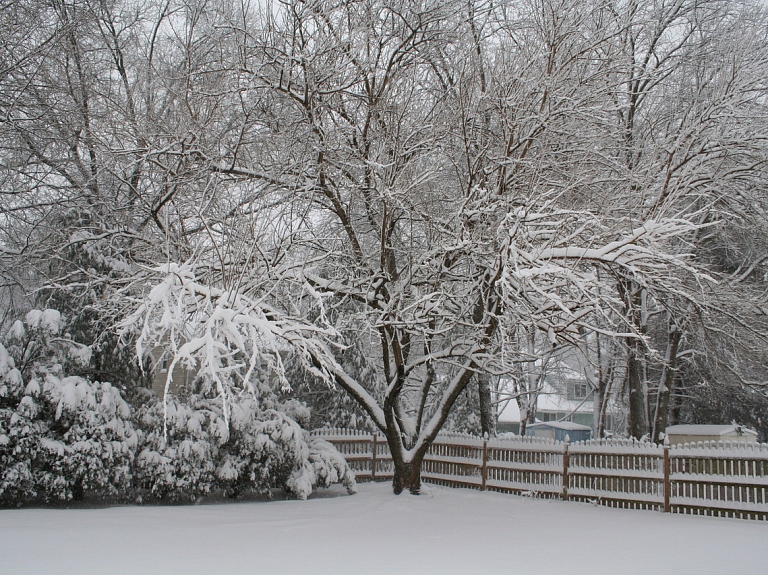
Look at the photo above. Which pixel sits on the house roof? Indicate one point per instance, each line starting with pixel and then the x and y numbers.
pixel 707 430
pixel 565 425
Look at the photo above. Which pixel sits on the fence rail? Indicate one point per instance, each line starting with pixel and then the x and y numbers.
pixel 720 479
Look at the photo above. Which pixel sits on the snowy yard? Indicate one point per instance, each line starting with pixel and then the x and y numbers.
pixel 444 531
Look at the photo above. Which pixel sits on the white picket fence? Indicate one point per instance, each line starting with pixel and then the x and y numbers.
pixel 721 479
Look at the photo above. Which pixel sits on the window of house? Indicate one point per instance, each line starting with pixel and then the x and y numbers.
pixel 578 390
pixel 164 364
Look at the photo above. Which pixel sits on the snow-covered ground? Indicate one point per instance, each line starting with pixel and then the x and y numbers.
pixel 443 532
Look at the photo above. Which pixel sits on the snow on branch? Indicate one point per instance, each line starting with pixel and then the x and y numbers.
pixel 557 264
pixel 224 336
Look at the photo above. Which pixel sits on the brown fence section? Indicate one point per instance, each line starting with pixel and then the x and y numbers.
pixel 530 465
pixel 720 479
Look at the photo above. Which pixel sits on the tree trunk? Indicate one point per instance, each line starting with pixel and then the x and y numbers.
pixel 667 382
pixel 595 377
pixel 634 307
pixel 407 464
pixel 598 406
pixel 487 411
pixel 523 423
pixel 408 446
pixel 531 379
pixel 407 476
pixel 606 381
pixel 636 421
pixel 527 403
pixel 675 406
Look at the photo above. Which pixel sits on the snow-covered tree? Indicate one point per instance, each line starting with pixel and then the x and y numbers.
pixel 689 122
pixel 365 223
pixel 419 183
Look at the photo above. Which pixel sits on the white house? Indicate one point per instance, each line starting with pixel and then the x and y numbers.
pixel 565 395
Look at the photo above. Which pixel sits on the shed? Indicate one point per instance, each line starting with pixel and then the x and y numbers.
pixel 694 433
pixel 557 430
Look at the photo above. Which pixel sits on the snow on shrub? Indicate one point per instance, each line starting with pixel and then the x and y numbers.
pixel 59 436
pixel 180 464
pixel 20 433
pixel 263 450
pixel 62 436
pixel 324 467
pixel 99 443
pixel 259 450
pixel 267 448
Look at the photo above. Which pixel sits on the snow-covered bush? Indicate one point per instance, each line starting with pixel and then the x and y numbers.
pixel 259 450
pixel 91 443
pixel 263 449
pixel 20 431
pixel 269 449
pixel 180 463
pixel 37 344
pixel 324 467
pixel 59 435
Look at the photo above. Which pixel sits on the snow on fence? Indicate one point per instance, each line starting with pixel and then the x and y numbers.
pixel 367 454
pixel 721 479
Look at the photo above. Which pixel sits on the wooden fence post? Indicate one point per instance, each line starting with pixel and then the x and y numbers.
pixel 667 480
pixel 566 463
pixel 373 456
pixel 484 468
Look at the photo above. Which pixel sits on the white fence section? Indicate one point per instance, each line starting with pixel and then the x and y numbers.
pixel 720 479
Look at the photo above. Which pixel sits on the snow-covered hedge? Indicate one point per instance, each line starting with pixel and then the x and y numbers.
pixel 181 464
pixel 258 450
pixel 61 436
